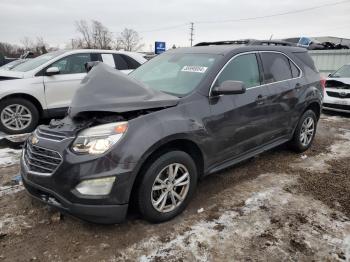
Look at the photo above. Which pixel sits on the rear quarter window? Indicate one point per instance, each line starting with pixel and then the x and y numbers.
pixel 305 58
pixel 132 63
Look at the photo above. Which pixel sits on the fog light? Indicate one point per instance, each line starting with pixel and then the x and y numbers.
pixel 96 187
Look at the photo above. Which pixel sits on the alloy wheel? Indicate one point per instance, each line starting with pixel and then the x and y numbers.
pixel 16 117
pixel 170 187
pixel 307 131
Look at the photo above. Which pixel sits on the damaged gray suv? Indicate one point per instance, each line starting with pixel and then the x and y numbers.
pixel 147 138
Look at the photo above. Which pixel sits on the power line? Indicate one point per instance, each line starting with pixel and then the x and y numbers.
pixel 191 33
pixel 274 15
pixel 249 18
pixel 164 28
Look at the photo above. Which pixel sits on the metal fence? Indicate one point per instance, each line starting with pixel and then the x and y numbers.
pixel 327 61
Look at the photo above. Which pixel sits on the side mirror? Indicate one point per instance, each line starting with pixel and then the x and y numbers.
pixel 229 87
pixel 52 71
pixel 330 75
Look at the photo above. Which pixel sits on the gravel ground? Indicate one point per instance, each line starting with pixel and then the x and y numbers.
pixel 276 206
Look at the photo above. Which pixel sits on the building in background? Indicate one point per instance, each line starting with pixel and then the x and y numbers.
pixel 328 61
pixel 333 39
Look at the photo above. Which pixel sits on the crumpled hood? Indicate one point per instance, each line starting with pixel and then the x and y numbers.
pixel 105 89
pixel 338 83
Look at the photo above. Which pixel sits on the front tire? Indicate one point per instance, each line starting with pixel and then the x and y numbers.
pixel 305 131
pixel 167 186
pixel 18 116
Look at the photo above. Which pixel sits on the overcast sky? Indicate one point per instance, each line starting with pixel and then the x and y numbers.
pixel 54 20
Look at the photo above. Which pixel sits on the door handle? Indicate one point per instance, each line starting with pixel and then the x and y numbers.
pixel 297 86
pixel 260 100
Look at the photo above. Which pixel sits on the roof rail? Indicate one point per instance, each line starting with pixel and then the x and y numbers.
pixel 270 42
pixel 246 42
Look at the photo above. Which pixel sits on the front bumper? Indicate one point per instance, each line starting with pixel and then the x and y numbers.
pixel 102 214
pixel 57 189
pixel 336 104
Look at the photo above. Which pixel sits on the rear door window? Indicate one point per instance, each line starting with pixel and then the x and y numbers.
pixel 242 68
pixel 295 70
pixel 276 67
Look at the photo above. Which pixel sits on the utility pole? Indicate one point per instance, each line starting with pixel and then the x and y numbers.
pixel 191 33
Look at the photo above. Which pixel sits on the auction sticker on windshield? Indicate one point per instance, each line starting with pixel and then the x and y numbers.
pixel 194 69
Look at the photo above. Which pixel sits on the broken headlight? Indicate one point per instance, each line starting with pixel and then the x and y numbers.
pixel 99 139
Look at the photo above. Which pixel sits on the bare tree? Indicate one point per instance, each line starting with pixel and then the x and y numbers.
pixel 84 29
pixel 95 35
pixel 37 46
pixel 40 45
pixel 10 50
pixel 129 40
pixel 101 35
pixel 27 43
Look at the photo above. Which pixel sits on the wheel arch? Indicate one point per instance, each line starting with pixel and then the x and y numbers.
pixel 314 106
pixel 186 145
pixel 30 98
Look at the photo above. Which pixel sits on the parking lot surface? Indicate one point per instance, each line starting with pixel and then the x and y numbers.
pixel 276 206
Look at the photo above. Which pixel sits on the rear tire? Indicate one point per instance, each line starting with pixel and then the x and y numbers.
pixel 18 116
pixel 304 133
pixel 162 196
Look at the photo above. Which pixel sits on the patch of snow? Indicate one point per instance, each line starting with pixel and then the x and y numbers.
pixel 7 190
pixel 230 236
pixel 303 156
pixel 340 149
pixel 330 118
pixel 9 157
pixel 347 248
pixel 200 210
pixel 13 224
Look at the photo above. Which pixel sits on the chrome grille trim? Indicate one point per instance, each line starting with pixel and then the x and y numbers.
pixel 41 161
pixel 48 135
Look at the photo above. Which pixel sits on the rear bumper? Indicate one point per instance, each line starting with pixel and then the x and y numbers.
pixel 102 214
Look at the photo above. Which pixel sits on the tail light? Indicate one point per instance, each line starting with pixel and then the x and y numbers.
pixel 323 84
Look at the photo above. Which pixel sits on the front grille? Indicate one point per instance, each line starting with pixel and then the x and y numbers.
pixel 336 106
pixel 51 135
pixel 338 95
pixel 41 160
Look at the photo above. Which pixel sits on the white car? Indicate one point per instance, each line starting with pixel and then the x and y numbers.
pixel 43 87
pixel 337 95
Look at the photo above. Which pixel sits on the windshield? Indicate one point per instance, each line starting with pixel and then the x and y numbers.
pixel 38 61
pixel 176 74
pixel 344 71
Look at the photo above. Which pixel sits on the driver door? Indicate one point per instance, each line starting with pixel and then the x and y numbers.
pixel 60 88
pixel 239 122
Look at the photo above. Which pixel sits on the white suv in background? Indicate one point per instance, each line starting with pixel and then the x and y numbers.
pixel 43 87
pixel 337 95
